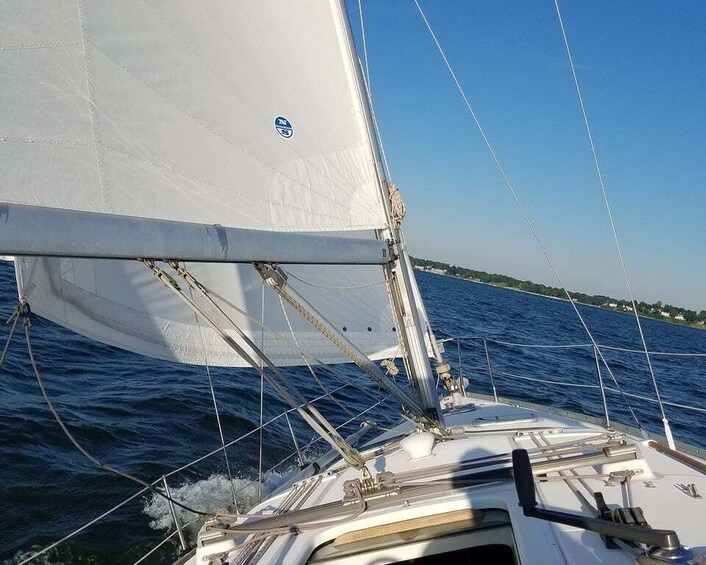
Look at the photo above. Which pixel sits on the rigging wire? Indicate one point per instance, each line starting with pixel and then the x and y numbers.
pixel 653 353
pixel 276 279
pixel 80 529
pixel 397 208
pixel 306 354
pixel 365 48
pixel 205 292
pixel 177 470
pixel 280 384
pixel 616 239
pixel 521 207
pixel 308 365
pixel 27 323
pixel 260 475
pixel 14 318
pixel 369 93
pixel 215 408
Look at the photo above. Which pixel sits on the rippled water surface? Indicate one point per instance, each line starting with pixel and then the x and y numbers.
pixel 150 417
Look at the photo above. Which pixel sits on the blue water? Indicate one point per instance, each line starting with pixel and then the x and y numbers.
pixel 149 417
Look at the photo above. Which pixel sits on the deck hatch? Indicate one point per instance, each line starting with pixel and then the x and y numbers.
pixel 425 538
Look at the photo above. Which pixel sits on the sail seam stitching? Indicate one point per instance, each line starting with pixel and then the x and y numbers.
pixel 225 85
pixel 199 121
pixel 92 108
pixel 45 141
pixel 170 168
pixel 23 46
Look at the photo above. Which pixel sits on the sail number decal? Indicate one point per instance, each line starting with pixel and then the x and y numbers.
pixel 283 127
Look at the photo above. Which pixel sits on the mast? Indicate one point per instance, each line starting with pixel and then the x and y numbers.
pixel 399 270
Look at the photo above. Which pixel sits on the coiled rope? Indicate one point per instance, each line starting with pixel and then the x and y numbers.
pixel 397 207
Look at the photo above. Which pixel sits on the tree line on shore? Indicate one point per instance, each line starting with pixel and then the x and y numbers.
pixel 655 310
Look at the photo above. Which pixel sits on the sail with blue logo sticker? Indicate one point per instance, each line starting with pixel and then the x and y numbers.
pixel 284 127
pixel 242 114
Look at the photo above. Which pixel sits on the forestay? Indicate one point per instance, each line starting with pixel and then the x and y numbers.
pixel 244 114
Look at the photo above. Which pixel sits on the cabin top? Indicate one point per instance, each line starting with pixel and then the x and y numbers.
pixel 431 499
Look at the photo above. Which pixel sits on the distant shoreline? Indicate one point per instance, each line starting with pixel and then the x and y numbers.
pixel 665 319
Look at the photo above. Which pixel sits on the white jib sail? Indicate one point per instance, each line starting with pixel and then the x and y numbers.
pixel 244 114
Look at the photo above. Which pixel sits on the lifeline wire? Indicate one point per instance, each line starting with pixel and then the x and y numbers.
pixel 618 247
pixel 304 353
pixel 27 324
pixel 179 469
pixel 262 395
pixel 215 408
pixel 308 365
pixel 284 388
pixel 521 207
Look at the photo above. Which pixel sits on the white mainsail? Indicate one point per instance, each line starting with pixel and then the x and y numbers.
pixel 242 114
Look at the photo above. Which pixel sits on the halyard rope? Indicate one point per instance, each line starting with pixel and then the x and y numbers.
pixel 369 92
pixel 397 207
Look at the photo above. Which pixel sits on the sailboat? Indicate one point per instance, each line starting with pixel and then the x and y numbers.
pixel 194 183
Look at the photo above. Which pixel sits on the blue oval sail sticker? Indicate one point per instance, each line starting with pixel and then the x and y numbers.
pixel 283 127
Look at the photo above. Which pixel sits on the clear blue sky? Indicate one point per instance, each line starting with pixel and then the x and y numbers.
pixel 642 70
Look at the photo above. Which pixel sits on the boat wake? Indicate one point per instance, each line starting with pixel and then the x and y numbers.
pixel 212 495
pixel 65 556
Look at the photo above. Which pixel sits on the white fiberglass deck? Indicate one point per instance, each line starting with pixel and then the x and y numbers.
pixel 483 436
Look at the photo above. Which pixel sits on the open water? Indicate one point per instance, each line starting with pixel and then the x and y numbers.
pixel 150 417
